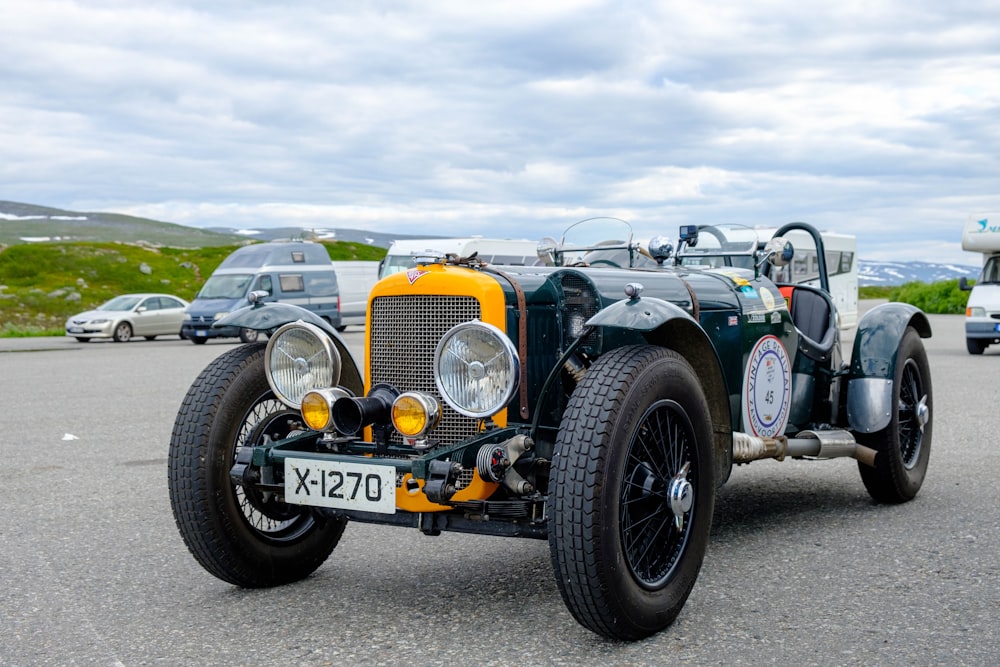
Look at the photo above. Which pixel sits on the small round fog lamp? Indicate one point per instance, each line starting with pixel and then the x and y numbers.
pixel 415 414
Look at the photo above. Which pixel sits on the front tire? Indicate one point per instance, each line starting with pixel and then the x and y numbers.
pixel 904 446
pixel 632 492
pixel 975 345
pixel 239 535
pixel 123 332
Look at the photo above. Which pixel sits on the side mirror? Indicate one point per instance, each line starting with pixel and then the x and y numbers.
pixel 547 251
pixel 778 251
pixel 964 285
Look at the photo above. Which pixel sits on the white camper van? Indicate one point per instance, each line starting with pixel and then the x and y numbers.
pixel 403 255
pixel 355 280
pixel 841 267
pixel 982 313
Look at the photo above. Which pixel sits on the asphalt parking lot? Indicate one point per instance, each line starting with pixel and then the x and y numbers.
pixel 802 567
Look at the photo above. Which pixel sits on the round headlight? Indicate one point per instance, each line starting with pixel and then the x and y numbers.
pixel 476 369
pixel 300 357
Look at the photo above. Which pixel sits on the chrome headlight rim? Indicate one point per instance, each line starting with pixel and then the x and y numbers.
pixel 509 356
pixel 325 346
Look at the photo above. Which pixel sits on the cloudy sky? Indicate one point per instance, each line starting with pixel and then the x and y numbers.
pixel 879 119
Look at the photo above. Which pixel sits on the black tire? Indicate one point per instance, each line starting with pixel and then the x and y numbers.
pixel 123 332
pixel 249 335
pixel 341 328
pixel 904 446
pixel 150 337
pixel 198 341
pixel 240 536
pixel 81 339
pixel 623 566
pixel 975 345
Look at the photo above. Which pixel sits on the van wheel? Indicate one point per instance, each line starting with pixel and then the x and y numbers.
pixel 249 335
pixel 975 346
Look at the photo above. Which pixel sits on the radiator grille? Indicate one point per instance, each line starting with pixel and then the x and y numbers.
pixel 404 331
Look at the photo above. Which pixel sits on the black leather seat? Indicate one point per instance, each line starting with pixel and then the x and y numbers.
pixel 813 316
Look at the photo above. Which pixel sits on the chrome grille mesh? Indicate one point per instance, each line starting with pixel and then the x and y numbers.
pixel 404 331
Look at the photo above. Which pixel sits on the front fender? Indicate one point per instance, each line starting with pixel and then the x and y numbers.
pixel 873 363
pixel 269 316
pixel 641 314
pixel 667 325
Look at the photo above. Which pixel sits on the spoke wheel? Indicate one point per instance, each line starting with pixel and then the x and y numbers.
pixel 904 446
pixel 632 492
pixel 658 459
pixel 273 520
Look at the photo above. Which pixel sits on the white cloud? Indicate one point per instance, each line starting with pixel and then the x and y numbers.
pixel 873 118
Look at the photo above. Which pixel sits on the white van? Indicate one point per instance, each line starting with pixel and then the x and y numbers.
pixel 355 280
pixel 982 313
pixel 403 255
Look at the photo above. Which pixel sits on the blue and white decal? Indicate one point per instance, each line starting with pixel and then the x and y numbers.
pixel 767 389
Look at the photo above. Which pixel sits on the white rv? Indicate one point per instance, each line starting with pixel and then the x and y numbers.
pixel 403 255
pixel 841 268
pixel 355 280
pixel 982 313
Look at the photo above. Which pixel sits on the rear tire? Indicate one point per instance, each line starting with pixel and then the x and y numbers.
pixel 904 446
pixel 636 432
pixel 239 535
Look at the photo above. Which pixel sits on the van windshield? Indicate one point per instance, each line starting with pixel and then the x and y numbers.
pixel 227 286
pixel 991 271
pixel 396 263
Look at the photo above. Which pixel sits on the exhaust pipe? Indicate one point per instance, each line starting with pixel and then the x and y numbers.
pixel 821 444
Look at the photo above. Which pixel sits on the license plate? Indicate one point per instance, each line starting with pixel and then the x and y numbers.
pixel 76 330
pixel 340 485
pixel 200 333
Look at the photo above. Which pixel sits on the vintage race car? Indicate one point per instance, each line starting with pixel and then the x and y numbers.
pixel 597 402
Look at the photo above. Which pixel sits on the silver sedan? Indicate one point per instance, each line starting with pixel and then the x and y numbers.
pixel 128 315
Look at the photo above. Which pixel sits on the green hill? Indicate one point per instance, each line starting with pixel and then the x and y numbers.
pixel 41 284
pixel 22 222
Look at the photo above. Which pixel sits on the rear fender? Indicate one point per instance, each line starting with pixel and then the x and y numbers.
pixel 873 363
pixel 667 325
pixel 271 315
